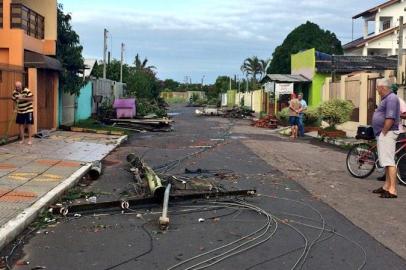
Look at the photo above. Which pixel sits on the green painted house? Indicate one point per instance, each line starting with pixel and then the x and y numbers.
pixel 310 64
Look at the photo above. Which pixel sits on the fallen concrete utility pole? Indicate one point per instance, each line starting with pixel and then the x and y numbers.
pixel 96 170
pixel 134 203
pixel 142 171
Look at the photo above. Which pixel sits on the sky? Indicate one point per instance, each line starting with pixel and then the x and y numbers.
pixel 203 39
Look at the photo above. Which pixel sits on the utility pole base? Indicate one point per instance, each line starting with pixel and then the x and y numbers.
pixel 163 223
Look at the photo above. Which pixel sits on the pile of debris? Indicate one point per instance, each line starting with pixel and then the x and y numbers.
pixel 209 111
pixel 239 113
pixel 143 124
pixel 236 112
pixel 267 122
pixel 152 189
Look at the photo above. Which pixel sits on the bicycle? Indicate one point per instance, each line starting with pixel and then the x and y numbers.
pixel 362 160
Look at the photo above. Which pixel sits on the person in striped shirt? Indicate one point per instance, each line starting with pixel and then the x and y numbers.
pixel 23 100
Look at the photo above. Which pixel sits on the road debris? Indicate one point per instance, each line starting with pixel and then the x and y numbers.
pixel 268 121
pixel 239 113
pixel 209 111
pixel 92 199
pixel 236 112
pixel 143 125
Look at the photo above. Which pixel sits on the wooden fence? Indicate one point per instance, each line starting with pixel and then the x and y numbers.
pixel 352 94
pixel 334 90
pixel 8 76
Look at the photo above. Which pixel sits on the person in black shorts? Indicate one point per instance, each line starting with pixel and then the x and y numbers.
pixel 23 99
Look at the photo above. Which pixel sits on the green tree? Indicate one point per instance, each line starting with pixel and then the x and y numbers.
pixel 141 80
pixel 253 67
pixel 69 53
pixel 306 36
pixel 170 84
pixel 112 71
pixel 142 84
pixel 142 64
pixel 222 84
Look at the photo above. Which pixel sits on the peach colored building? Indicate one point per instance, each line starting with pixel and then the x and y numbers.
pixel 28 34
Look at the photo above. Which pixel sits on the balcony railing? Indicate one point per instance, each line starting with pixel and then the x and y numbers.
pixel 31 22
pixel 1 14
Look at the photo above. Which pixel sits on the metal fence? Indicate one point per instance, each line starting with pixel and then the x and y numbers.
pixel 108 90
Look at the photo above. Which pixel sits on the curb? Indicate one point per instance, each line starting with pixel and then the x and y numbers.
pixel 14 227
pixel 17 225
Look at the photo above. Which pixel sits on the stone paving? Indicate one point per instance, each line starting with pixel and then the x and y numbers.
pixel 27 173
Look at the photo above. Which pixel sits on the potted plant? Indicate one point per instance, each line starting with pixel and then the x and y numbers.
pixel 311 119
pixel 335 112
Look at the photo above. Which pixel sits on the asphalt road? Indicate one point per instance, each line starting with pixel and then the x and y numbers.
pixel 293 230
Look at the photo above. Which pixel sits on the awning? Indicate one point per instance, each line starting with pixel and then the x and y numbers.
pixel 285 78
pixel 36 60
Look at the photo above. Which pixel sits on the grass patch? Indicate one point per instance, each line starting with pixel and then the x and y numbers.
pixel 76 193
pixel 96 125
pixel 176 100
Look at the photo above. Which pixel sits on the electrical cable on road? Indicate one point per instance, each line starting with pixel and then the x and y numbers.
pixel 263 230
pixel 169 166
pixel 151 246
pixel 244 243
pixel 323 228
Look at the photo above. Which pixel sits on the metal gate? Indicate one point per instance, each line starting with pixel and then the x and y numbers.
pixel 68 109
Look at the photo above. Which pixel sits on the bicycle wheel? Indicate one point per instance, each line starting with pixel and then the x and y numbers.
pixel 361 161
pixel 401 169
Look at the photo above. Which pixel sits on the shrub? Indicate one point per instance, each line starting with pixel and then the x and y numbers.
pixel 106 110
pixel 336 112
pixel 311 117
pixel 214 102
pixel 195 97
pixel 145 107
pixel 283 116
pixel 176 100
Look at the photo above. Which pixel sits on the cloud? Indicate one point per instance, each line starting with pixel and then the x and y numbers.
pixel 203 37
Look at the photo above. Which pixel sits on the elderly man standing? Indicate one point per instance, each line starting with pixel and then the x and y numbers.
pixel 386 127
pixel 24 102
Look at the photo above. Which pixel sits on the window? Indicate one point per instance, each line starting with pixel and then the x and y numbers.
pixel 386 25
pixel 1 14
pixel 24 18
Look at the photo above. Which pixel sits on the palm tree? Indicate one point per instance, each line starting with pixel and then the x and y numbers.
pixel 265 65
pixel 253 67
pixel 142 65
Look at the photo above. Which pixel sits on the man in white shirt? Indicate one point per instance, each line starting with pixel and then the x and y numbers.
pixel 301 114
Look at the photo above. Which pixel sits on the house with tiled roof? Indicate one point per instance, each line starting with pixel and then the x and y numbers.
pixel 380 30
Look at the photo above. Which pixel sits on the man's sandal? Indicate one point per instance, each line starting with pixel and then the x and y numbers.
pixel 379 191
pixel 388 195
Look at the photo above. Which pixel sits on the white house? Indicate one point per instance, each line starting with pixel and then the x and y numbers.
pixel 381 30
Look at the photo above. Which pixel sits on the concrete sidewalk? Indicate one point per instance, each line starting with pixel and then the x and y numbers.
pixel 321 170
pixel 31 177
